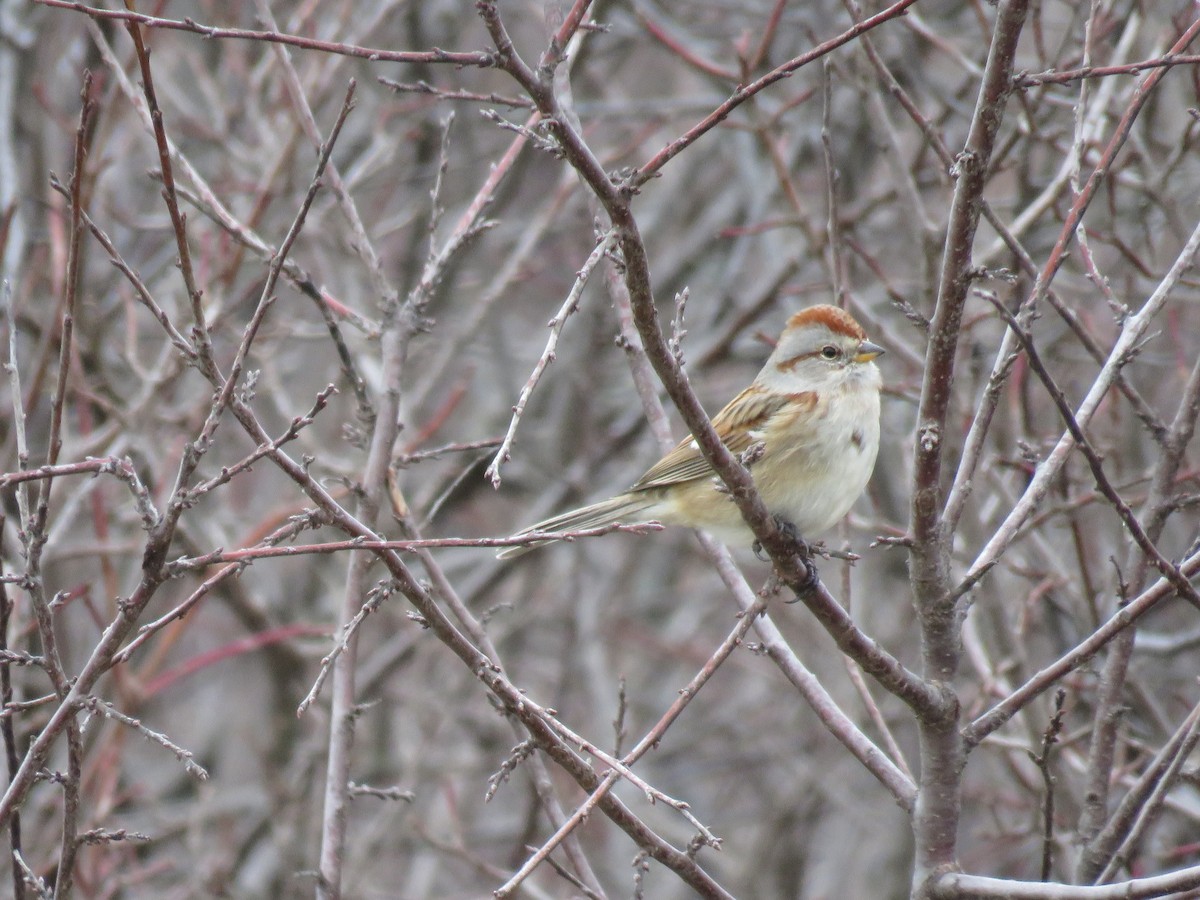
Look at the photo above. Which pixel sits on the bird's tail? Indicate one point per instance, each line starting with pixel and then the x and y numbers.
pixel 624 508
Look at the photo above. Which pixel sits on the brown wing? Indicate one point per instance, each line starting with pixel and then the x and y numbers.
pixel 739 424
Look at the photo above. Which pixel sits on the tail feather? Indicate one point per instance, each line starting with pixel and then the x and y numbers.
pixel 624 508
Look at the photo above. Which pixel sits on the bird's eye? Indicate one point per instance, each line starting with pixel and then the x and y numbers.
pixel 830 352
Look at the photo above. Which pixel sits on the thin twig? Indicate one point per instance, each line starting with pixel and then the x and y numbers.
pixel 34 528
pixel 424 87
pixel 479 59
pixel 648 741
pixel 11 757
pixel 108 711
pixel 570 305
pixel 39 887
pixel 1132 525
pixel 1169 60
pixel 145 632
pixel 1133 329
pixel 745 92
pixel 1042 761
pixel 1146 798
pixel 249 554
pixel 1014 702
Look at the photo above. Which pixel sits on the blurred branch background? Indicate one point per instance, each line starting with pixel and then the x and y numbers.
pixel 446 215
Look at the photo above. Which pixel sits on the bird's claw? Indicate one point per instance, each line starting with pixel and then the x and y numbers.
pixel 789 530
pixel 811 578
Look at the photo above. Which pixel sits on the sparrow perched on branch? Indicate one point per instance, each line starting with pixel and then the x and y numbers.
pixel 811 421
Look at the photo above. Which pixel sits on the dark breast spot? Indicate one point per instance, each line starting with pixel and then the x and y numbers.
pixel 857 438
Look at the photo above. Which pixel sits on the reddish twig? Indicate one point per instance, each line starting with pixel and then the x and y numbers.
pixel 436 55
pixel 1026 80
pixel 745 92
pixel 534 537
pixel 230 650
pixel 680 49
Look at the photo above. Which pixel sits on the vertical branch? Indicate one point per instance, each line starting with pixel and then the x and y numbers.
pixel 1042 761
pixel 34 528
pixel 11 758
pixel 401 322
pixel 361 242
pixel 930 573
pixel 71 284
pixel 200 335
pixel 398 329
pixel 343 709
pixel 935 822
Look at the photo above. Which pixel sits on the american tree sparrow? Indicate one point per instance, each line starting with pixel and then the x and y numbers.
pixel 815 409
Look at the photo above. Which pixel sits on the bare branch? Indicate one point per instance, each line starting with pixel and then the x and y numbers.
pixel 436 55
pixel 570 305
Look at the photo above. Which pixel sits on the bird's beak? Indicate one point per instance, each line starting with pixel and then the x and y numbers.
pixel 867 352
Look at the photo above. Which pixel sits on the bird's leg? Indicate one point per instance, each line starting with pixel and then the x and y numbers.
pixel 792 533
pixel 789 531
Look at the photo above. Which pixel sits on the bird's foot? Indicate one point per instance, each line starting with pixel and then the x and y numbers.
pixel 805 552
pixel 791 533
